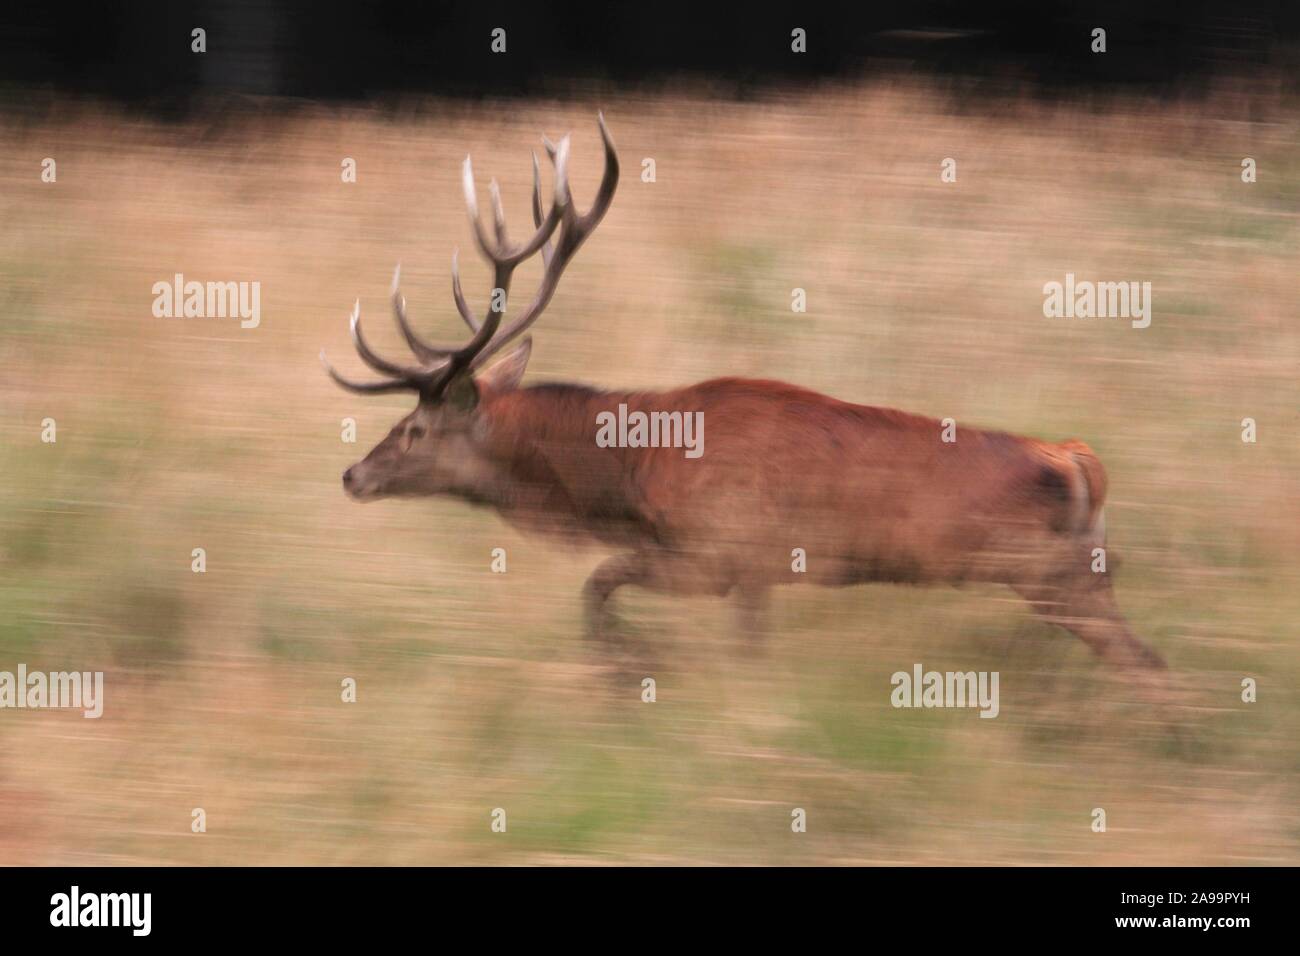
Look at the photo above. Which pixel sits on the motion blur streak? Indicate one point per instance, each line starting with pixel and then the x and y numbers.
pixel 477 690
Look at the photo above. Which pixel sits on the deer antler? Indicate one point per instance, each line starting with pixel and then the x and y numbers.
pixel 439 364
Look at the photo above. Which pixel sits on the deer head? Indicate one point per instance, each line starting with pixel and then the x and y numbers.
pixel 441 446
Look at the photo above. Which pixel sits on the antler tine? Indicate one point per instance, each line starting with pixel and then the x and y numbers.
pixel 422 349
pixel 559 206
pixel 537 206
pixel 471 202
pixel 608 182
pixel 365 388
pixel 498 215
pixel 462 357
pixel 461 305
pixel 552 151
pixel 373 360
pixel 575 231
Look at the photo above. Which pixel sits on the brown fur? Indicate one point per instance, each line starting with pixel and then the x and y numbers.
pixel 870 495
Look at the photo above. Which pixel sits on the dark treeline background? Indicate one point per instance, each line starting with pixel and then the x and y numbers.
pixel 139 52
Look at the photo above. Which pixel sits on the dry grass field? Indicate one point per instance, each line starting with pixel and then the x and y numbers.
pixel 476 690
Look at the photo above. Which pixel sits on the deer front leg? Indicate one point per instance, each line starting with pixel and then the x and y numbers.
pixel 672 572
pixel 609 576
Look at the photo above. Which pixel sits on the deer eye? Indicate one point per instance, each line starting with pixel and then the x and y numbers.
pixel 410 436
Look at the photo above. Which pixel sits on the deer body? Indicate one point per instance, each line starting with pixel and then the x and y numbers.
pixel 873 492
pixel 794 486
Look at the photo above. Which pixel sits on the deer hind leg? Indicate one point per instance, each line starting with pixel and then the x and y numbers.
pixel 1086 607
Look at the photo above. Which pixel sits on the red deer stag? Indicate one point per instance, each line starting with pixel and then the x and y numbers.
pixel 868 494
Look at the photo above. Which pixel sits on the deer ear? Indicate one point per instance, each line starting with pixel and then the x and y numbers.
pixel 505 375
pixel 461 393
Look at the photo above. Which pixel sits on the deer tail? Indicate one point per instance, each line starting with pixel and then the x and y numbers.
pixel 1088 490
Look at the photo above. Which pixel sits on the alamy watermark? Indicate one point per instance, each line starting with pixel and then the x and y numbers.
pixel 75 908
pixel 208 300
pixel 82 690
pixel 651 430
pixel 1098 300
pixel 922 688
